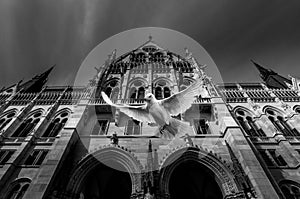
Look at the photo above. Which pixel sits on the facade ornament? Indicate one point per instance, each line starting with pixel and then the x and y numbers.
pixel 188 140
pixel 254 106
pixel 240 176
pixel 295 84
pixel 282 104
pixel 114 139
pixel 199 68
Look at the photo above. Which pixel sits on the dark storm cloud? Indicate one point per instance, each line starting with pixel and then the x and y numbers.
pixel 39 33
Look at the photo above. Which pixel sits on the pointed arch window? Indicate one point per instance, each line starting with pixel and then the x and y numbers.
pixel 248 124
pixel 157 57
pixel 27 125
pixel 101 127
pixel 167 92
pixel 161 89
pixel 187 82
pixel 201 126
pixel 158 93
pixel 133 127
pixel 281 123
pixel 115 93
pixel 56 125
pixel 297 109
pixel 18 188
pixel 111 89
pixel 132 93
pixel 140 57
pixel 290 189
pixel 272 158
pixel 36 157
pixel 6 119
pixel 5 155
pixel 137 90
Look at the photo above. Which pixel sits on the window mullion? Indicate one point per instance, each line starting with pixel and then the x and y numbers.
pixel 271 157
pixel 37 157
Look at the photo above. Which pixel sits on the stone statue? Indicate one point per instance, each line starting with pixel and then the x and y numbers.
pixel 114 139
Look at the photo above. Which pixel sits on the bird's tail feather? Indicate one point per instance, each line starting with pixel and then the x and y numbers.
pixel 176 128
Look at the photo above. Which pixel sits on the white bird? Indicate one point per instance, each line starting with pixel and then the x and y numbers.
pixel 160 111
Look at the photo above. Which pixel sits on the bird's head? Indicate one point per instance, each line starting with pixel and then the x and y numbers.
pixel 149 97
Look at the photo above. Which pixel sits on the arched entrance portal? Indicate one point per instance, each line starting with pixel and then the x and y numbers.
pixel 111 172
pixel 192 180
pixel 104 182
pixel 191 172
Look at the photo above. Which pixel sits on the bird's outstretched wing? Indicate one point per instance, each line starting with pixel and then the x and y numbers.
pixel 139 113
pixel 180 102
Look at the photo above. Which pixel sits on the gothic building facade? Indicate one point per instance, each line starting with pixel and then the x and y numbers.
pixel 66 142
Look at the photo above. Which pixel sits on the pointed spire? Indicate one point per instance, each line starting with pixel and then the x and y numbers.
pixel 47 72
pixel 264 73
pixel 37 82
pixel 271 78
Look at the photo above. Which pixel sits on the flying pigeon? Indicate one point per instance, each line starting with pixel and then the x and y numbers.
pixel 160 112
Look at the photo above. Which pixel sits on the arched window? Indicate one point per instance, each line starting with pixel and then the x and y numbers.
pixel 158 93
pixel 133 127
pixel 182 87
pixel 139 57
pixel 297 109
pixel 201 126
pixel 101 127
pixel 27 125
pixel 18 188
pixel 162 89
pixel 56 125
pixel 137 90
pixel 247 123
pixel 6 119
pixel 115 93
pixel 167 92
pixel 187 82
pixel 157 57
pixel 290 189
pixel 280 123
pixel 111 89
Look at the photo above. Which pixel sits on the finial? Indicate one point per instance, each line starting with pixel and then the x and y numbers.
pixel 188 54
pixel 150 37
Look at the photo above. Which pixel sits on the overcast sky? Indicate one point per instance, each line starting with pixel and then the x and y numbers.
pixel 35 34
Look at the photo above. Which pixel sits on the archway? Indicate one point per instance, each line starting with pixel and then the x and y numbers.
pixel 190 172
pixel 120 173
pixel 192 180
pixel 105 182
